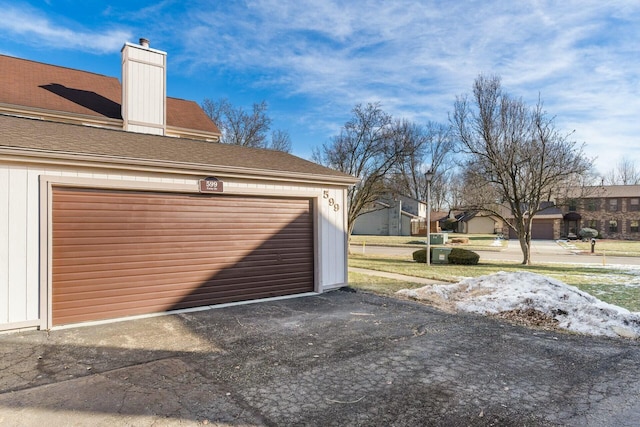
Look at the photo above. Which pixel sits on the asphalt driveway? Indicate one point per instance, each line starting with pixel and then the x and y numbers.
pixel 340 358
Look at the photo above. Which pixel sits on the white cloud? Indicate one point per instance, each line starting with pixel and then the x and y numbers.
pixel 32 27
pixel 581 56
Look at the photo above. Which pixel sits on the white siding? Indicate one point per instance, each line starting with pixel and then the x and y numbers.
pixel 144 89
pixel 4 245
pixel 20 239
pixel 33 243
pixel 17 243
pixel 332 239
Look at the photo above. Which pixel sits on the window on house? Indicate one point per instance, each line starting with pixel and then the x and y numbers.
pixel 634 204
pixel 591 205
pixel 613 205
pixel 613 226
pixel 573 205
pixel 633 226
pixel 592 223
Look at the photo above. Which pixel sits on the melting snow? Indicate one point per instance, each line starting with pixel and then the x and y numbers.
pixel 574 309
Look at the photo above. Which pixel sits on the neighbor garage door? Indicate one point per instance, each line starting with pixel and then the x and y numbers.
pixel 120 253
pixel 540 229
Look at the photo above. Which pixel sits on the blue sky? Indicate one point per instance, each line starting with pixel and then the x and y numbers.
pixel 312 61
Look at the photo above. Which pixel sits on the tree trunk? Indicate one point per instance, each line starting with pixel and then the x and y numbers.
pixel 526 250
pixel 524 236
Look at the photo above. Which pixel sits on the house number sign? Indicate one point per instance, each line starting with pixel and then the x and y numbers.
pixel 211 185
pixel 332 202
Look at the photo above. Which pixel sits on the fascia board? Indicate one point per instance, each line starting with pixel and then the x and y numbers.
pixel 81 160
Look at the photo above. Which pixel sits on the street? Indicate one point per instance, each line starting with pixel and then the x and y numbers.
pixel 542 251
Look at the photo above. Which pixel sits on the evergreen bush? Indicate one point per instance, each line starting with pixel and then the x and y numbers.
pixel 587 233
pixel 461 256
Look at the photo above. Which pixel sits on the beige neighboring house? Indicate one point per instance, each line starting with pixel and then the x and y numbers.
pixel 116 201
pixel 477 222
pixel 613 210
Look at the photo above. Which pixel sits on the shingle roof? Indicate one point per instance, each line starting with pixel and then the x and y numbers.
pixel 612 191
pixel 50 87
pixel 60 140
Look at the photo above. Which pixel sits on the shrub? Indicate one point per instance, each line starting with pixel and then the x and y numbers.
pixel 461 256
pixel 421 255
pixel 587 233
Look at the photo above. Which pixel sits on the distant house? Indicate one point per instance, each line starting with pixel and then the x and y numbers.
pixel 613 210
pixel 392 215
pixel 116 201
pixel 546 224
pixel 478 222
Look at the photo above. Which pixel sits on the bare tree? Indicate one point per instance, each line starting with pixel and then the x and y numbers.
pixel 367 149
pixel 516 156
pixel 432 150
pixel 249 129
pixel 280 141
pixel 624 173
pixel 455 188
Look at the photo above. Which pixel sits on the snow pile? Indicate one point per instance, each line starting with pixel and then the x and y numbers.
pixel 502 292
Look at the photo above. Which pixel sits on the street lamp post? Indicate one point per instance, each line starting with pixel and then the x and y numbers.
pixel 428 175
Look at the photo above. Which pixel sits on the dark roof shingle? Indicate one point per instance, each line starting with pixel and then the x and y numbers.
pixel 58 139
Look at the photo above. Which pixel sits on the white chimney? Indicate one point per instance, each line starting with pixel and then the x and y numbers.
pixel 144 88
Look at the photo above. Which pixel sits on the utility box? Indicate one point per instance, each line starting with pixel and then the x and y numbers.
pixel 440 255
pixel 438 238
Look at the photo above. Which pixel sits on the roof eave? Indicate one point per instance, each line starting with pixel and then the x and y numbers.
pixel 22 155
pixel 193 134
pixel 59 116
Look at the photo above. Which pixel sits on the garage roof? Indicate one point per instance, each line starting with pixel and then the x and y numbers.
pixel 61 141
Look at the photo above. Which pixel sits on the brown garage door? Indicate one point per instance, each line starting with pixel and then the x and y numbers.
pixel 120 253
pixel 540 229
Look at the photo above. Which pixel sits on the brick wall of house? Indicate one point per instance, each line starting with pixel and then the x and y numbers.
pixel 598 214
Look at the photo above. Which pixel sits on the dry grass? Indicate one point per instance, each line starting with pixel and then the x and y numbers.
pixel 616 286
pixel 609 247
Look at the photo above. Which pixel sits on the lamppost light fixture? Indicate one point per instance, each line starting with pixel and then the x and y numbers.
pixel 428 175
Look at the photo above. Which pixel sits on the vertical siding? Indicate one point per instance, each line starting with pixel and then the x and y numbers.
pixel 20 225
pixel 4 245
pixel 33 244
pixel 332 240
pixel 144 87
pixel 17 259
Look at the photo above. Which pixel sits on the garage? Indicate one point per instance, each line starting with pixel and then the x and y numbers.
pixel 123 253
pixel 107 224
pixel 541 229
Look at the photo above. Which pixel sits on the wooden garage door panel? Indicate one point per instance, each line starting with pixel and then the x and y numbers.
pixel 126 253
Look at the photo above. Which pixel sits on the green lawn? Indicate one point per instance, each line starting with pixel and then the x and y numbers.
pixel 609 247
pixel 616 286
